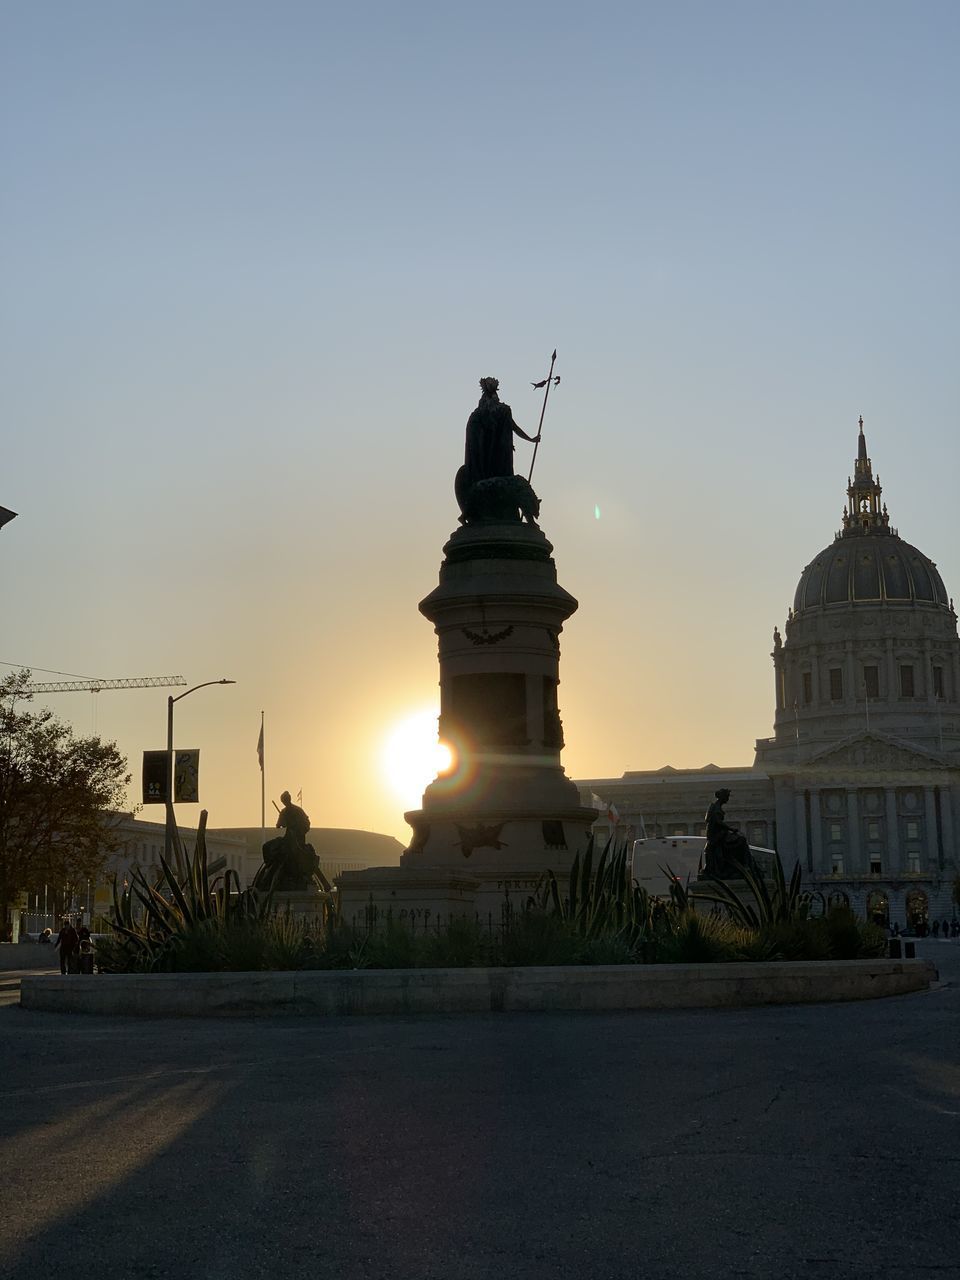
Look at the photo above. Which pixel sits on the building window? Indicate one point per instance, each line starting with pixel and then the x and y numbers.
pixel 874 829
pixel 875 866
pixel 917 904
pixel 913 862
pixel 836 684
pixel 757 833
pixel 836 864
pixel 938 682
pixel 836 831
pixel 906 680
pixel 878 907
pixel 912 830
pixel 807 688
pixel 871 681
pixel 678 831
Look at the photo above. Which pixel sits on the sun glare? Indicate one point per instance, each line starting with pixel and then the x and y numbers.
pixel 412 757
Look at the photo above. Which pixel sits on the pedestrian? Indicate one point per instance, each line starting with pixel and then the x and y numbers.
pixel 936 928
pixel 945 928
pixel 86 955
pixel 68 940
pixel 45 938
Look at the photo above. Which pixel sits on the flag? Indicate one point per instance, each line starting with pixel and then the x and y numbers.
pixel 260 746
pixel 300 796
pixel 596 802
pixel 613 813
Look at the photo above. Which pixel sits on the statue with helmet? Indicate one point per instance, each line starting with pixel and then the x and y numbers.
pixel 486 486
pixel 289 864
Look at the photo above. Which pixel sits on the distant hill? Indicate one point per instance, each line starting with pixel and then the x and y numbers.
pixel 338 848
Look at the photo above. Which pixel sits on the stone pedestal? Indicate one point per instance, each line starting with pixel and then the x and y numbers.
pixel 419 895
pixel 305 904
pixel 506 812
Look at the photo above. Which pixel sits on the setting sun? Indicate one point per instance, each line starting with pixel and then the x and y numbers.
pixel 412 757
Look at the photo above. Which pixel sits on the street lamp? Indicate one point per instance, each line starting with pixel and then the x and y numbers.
pixel 168 834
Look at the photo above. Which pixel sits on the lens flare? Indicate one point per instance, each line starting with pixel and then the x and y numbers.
pixel 411 757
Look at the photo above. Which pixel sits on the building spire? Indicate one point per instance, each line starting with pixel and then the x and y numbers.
pixel 864 512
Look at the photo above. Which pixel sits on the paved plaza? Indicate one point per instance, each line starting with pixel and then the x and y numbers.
pixel 816 1141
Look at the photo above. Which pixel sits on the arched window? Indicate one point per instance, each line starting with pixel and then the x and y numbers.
pixel 878 907
pixel 917 908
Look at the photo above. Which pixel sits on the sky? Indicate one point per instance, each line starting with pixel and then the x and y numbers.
pixel 255 258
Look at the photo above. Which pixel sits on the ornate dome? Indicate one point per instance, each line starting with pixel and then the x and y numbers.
pixel 867 569
pixel 868 562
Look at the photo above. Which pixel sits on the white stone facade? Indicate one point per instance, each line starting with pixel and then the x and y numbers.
pixel 861 778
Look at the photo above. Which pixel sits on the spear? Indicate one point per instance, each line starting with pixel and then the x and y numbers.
pixel 548 382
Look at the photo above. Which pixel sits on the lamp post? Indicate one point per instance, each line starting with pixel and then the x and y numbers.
pixel 168 834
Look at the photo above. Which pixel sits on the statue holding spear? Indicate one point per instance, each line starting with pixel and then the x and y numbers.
pixel 486 486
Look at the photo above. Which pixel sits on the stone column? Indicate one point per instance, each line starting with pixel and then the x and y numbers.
pixel 800 827
pixel 815 675
pixel 950 851
pixel 928 673
pixel 893 684
pixel 787 844
pixel 893 832
pixel 816 832
pixel 931 852
pixel 853 835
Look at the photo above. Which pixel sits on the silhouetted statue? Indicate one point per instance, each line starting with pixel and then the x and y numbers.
pixel 486 486
pixel 289 863
pixel 725 846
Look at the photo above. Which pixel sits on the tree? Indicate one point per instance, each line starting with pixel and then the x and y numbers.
pixel 57 797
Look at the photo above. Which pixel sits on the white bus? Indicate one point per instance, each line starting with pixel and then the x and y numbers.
pixel 682 856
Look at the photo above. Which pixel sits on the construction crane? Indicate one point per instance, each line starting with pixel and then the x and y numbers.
pixel 95 686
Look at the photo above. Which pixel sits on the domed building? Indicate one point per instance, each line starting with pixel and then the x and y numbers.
pixel 861 780
pixel 866 746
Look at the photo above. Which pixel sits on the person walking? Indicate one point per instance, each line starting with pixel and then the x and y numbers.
pixel 68 940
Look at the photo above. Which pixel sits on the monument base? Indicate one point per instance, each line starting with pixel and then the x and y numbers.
pixel 304 904
pixel 415 895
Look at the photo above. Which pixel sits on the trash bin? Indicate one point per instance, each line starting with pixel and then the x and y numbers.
pixel 894 948
pixel 86 957
pixel 909 951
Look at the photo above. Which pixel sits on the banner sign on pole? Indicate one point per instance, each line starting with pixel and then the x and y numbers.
pixel 186 777
pixel 156 777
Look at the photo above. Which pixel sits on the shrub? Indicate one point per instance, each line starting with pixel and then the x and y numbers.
pixel 699 939
pixel 462 945
pixel 538 937
pixel 393 948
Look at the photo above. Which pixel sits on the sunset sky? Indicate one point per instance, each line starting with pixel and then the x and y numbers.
pixel 255 258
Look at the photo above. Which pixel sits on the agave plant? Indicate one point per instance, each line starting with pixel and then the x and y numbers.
pixel 762 904
pixel 152 919
pixel 602 902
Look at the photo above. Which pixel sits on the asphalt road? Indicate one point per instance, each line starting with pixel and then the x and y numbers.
pixel 817 1141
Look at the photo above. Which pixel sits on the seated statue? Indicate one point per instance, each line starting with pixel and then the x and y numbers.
pixel 289 863
pixel 726 851
pixel 486 486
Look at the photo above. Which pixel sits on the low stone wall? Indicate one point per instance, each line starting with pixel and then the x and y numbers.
pixel 28 955
pixel 399 991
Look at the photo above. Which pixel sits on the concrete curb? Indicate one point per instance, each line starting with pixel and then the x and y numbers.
pixel 400 991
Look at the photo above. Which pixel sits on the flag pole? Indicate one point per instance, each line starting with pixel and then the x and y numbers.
pixel 548 383
pixel 263 788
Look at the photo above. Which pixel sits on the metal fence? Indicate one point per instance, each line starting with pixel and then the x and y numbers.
pixel 425 923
